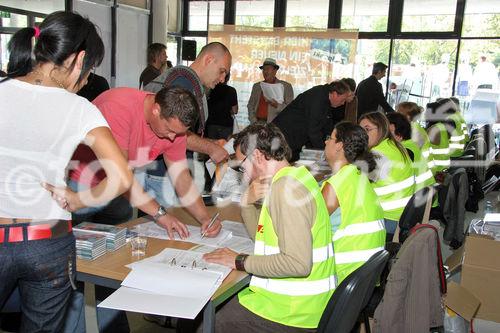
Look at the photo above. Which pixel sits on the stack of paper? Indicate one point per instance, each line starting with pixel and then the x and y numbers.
pixel 312 154
pixel 173 283
pixel 233 235
pixel 115 236
pixel 89 246
pixel 151 229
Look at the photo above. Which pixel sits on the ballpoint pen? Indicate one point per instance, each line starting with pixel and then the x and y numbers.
pixel 210 224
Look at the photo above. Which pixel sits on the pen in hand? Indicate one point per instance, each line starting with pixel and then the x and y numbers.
pixel 210 224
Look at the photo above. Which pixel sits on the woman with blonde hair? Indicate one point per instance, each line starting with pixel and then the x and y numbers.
pixel 393 179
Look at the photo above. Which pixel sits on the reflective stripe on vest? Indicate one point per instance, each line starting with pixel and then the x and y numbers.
pixel 295 288
pixel 423 177
pixel 426 153
pixel 442 162
pixel 393 204
pixel 440 151
pixel 396 187
pixel 457 145
pixel 359 229
pixel 319 254
pixel 457 138
pixel 355 256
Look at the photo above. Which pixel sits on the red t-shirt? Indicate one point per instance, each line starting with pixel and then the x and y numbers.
pixel 123 109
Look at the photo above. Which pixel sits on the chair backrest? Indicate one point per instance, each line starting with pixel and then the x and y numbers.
pixel 414 212
pixel 352 295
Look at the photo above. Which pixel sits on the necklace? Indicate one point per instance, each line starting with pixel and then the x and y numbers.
pixel 39 81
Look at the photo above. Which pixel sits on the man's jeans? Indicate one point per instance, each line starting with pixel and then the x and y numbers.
pixel 42 270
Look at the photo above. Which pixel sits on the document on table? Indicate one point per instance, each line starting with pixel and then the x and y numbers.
pixel 151 229
pixel 174 283
pixel 240 241
pixel 272 91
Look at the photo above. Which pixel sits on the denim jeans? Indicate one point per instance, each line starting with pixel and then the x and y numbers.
pixel 42 270
pixel 158 187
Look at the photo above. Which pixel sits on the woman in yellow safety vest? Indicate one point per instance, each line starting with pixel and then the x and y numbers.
pixel 440 128
pixel 355 213
pixel 393 178
pixel 419 135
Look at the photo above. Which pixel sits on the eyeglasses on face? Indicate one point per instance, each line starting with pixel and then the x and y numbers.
pixel 238 167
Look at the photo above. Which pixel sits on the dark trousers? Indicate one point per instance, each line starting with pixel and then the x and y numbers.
pixel 219 132
pixel 232 317
pixel 42 270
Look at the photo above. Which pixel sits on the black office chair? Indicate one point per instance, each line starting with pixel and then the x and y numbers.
pixel 352 295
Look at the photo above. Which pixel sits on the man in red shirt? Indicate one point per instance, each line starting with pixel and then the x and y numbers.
pixel 146 125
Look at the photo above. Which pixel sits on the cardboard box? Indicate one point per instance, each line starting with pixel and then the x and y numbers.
pixel 479 287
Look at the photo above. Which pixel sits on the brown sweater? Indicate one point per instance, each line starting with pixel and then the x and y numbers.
pixel 293 210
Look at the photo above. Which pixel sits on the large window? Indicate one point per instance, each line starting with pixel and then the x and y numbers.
pixel 255 13
pixel 365 15
pixel 200 10
pixel 482 19
pixel 4 55
pixel 429 15
pixel 368 52
pixel 11 20
pixel 39 6
pixel 307 13
pixel 478 66
pixel 423 68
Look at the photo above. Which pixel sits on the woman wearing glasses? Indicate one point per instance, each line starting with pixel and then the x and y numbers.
pixel 355 214
pixel 393 179
pixel 42 122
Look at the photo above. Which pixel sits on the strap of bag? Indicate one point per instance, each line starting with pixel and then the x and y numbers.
pixel 428 205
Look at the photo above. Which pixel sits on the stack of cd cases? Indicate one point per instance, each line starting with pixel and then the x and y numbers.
pixel 89 246
pixel 115 236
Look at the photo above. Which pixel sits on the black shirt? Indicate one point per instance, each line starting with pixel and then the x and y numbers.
pixel 307 120
pixel 148 74
pixel 220 103
pixel 96 85
pixel 370 96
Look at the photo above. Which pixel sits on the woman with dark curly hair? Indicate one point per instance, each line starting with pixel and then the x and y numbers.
pixel 355 213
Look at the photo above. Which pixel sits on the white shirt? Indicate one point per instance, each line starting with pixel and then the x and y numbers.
pixel 40 127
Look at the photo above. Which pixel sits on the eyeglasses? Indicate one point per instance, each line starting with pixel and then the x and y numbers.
pixel 369 129
pixel 239 166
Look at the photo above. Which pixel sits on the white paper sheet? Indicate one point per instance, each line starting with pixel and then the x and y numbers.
pixel 274 91
pixel 134 300
pixel 151 229
pixel 236 228
pixel 164 279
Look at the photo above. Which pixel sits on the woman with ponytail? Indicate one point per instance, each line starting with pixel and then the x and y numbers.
pixel 42 122
pixel 393 179
pixel 355 213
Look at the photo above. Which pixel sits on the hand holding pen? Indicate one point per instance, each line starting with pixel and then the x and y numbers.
pixel 212 228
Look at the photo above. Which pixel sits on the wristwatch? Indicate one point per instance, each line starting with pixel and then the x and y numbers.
pixel 239 262
pixel 161 212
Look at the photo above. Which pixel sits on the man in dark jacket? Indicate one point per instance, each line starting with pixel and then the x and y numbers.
pixel 370 94
pixel 307 119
